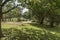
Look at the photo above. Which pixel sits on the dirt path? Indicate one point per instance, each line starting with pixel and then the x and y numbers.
pixel 16 23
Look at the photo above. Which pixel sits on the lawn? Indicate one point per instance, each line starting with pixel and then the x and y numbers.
pixel 15 31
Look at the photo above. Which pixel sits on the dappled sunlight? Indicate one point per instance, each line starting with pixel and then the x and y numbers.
pixel 28 32
pixel 30 20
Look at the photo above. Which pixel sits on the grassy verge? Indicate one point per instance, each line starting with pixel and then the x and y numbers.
pixel 29 32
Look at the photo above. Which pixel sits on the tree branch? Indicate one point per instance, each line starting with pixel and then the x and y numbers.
pixel 10 9
pixel 5 2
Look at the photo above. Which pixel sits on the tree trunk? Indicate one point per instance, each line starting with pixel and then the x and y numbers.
pixel 42 20
pixel 51 24
pixel 1 35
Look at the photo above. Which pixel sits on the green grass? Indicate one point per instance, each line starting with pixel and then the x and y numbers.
pixel 29 32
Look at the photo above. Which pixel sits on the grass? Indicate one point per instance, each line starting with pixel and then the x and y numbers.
pixel 15 31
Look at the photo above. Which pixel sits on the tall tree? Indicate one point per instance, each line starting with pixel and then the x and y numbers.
pixel 1 35
pixel 40 10
pixel 3 4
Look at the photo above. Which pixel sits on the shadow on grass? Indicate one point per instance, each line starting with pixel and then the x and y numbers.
pixel 47 27
pixel 28 34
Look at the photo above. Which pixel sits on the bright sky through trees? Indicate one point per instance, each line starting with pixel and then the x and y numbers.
pixel 24 10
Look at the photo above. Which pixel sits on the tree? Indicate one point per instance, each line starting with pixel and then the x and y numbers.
pixel 41 11
pixel 3 4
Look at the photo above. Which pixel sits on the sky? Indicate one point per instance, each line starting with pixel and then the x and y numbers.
pixel 24 10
